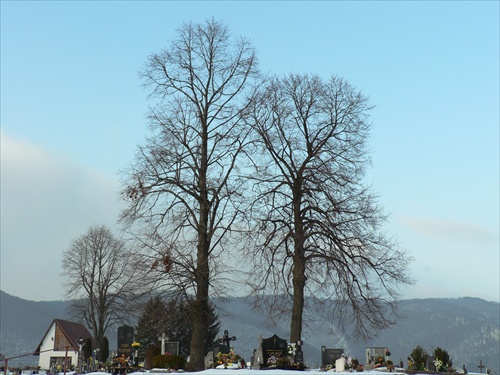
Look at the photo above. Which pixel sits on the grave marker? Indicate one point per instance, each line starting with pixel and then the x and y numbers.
pixel 163 339
pixel 273 346
pixel 481 366
pixel 431 366
pixel 375 354
pixel 125 340
pixel 340 364
pixel 329 356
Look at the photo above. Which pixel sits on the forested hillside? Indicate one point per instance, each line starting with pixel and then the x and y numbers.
pixel 468 328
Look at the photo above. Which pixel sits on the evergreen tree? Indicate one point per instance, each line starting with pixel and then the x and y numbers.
pixel 87 349
pixel 175 319
pixel 418 358
pixel 151 324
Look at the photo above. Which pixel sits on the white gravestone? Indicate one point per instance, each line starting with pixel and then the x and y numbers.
pixel 340 365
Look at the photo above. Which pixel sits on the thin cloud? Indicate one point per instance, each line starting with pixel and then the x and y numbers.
pixel 47 201
pixel 451 230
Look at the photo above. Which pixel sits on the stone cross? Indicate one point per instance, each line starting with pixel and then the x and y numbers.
pixel 481 366
pixel 163 338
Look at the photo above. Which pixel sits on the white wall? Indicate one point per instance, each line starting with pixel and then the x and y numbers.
pixel 47 350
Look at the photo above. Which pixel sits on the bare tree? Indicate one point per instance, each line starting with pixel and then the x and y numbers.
pixel 319 226
pixel 183 190
pixel 99 279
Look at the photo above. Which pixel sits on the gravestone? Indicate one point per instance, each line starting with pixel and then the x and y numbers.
pixel 172 348
pixel 273 346
pixel 340 364
pixel 373 354
pixel 257 356
pixel 125 340
pixel 329 356
pixel 430 363
pixel 209 359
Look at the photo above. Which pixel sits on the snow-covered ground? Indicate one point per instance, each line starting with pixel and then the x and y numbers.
pixel 277 372
pixel 255 372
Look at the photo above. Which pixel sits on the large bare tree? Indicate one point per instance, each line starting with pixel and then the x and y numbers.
pixel 183 190
pixel 99 279
pixel 319 227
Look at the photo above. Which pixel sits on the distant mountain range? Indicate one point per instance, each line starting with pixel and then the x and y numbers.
pixel 468 328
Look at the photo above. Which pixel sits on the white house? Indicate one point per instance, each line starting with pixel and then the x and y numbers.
pixel 59 346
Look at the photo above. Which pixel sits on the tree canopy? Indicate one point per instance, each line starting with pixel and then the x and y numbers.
pixel 271 166
pixel 319 227
pixel 99 279
pixel 183 191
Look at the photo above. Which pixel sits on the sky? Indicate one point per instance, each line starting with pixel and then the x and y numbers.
pixel 73 112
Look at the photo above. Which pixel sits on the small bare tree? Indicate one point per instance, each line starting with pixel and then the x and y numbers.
pixel 183 192
pixel 99 279
pixel 318 227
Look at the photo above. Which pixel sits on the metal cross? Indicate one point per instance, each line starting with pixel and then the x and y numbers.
pixel 481 366
pixel 226 339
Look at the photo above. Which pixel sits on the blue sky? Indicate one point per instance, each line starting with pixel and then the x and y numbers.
pixel 73 111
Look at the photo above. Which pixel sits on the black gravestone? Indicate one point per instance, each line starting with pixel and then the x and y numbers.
pixel 273 346
pixel 329 356
pixel 125 339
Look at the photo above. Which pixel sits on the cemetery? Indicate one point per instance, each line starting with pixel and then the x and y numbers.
pixel 272 353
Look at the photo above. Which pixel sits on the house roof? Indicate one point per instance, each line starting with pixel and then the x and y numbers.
pixel 73 331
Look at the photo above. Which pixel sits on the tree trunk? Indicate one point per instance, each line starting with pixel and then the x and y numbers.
pixel 200 318
pixel 197 352
pixel 299 267
pixel 200 313
pixel 299 282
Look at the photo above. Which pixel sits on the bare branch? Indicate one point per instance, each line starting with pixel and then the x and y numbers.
pixel 183 194
pixel 319 226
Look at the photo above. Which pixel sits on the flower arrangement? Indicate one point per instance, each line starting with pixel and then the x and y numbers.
pixel 438 363
pixel 227 358
pixel 120 361
pixel 136 345
pixel 389 365
pixel 282 362
pixel 354 363
pixel 272 360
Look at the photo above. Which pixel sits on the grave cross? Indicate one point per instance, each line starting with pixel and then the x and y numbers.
pixel 163 338
pixel 226 339
pixel 481 366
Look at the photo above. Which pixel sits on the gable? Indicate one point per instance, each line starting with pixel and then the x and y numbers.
pixel 68 333
pixel 64 335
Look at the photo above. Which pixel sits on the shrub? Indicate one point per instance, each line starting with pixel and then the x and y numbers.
pixel 151 352
pixel 418 357
pixel 170 361
pixel 104 353
pixel 444 357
